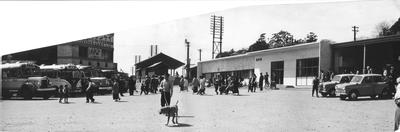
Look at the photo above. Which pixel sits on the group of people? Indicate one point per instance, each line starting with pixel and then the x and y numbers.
pixel 263 79
pixel 149 85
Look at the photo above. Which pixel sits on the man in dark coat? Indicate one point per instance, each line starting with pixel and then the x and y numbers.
pixel 315 86
pixel 261 82
pixel 132 85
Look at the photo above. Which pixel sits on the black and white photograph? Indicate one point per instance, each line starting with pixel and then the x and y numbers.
pixel 200 66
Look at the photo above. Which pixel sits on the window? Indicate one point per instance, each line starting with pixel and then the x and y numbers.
pixel 307 67
pixel 83 52
pixel 98 64
pixel 106 64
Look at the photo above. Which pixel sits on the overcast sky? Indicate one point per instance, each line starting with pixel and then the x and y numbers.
pixel 138 24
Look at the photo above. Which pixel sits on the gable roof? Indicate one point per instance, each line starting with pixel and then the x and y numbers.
pixel 159 59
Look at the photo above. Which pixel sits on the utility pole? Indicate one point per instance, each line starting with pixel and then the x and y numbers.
pixel 355 30
pixel 217 27
pixel 200 54
pixel 187 58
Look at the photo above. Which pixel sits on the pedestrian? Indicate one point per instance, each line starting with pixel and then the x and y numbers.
pixel 154 84
pixel 148 83
pixel 250 84
pixel 266 79
pixel 181 83
pixel 397 102
pixel 143 87
pixel 89 91
pixel 223 85
pixel 185 84
pixel 121 84
pixel 254 85
pixel 217 83
pixel 195 84
pixel 115 91
pixel 261 81
pixel 236 84
pixel 61 93
pixel 166 89
pixel 132 85
pixel 315 86
pixel 202 85
pixel 66 93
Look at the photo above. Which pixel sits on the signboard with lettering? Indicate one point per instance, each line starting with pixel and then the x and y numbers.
pixel 95 53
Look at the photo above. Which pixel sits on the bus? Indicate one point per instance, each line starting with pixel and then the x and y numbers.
pixel 103 83
pixel 24 79
pixel 63 74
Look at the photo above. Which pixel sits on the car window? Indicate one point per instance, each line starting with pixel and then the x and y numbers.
pixel 368 79
pixel 345 79
pixel 356 79
pixel 378 79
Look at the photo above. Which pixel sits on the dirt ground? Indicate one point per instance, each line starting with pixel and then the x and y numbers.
pixel 273 110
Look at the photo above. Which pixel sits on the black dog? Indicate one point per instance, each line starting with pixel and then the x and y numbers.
pixel 170 111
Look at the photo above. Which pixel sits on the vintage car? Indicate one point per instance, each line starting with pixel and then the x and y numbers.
pixel 28 88
pixel 328 88
pixel 364 85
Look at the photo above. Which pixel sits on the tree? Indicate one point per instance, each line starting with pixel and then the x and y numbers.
pixel 383 29
pixel 311 37
pixel 225 54
pixel 280 39
pixel 260 44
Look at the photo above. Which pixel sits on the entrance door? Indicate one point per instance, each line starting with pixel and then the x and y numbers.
pixel 277 72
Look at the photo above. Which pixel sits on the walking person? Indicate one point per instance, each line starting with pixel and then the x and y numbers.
pixel 315 86
pixel 254 83
pixel 154 84
pixel 166 89
pixel 202 85
pixel 261 81
pixel 185 84
pixel 132 85
pixel 89 91
pixel 397 102
pixel 143 87
pixel 121 84
pixel 250 84
pixel 266 80
pixel 217 83
pixel 181 83
pixel 61 93
pixel 236 84
pixel 115 91
pixel 196 84
pixel 223 85
pixel 66 93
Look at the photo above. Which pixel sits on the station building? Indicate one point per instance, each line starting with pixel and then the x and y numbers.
pixel 96 52
pixel 297 65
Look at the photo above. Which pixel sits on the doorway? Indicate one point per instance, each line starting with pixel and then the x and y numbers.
pixel 277 72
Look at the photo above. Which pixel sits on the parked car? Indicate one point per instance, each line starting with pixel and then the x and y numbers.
pixel 364 85
pixel 328 88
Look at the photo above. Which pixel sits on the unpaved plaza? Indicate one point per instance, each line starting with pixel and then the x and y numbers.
pixel 273 110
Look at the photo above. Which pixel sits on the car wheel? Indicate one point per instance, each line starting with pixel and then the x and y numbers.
pixel 332 93
pixel 373 96
pixel 6 94
pixel 384 94
pixel 324 94
pixel 27 92
pixel 353 95
pixel 342 97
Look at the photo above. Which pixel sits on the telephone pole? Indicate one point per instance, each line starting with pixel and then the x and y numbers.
pixel 355 30
pixel 200 54
pixel 217 29
pixel 187 58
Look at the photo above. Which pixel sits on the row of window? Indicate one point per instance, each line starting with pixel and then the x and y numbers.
pixel 307 67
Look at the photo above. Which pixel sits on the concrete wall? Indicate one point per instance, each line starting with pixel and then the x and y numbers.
pixel 325 56
pixel 64 51
pixel 225 64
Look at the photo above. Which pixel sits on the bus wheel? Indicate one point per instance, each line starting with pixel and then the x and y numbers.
pixel 27 92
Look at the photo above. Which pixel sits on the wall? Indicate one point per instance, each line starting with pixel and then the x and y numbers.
pixel 289 55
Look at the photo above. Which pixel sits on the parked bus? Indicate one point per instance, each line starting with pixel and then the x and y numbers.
pixel 63 74
pixel 24 79
pixel 103 83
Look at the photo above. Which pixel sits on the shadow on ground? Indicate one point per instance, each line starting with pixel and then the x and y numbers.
pixel 180 125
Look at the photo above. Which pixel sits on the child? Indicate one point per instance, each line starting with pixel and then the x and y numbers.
pixel 65 93
pixel 61 93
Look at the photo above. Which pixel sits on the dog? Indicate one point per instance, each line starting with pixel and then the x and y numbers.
pixel 171 111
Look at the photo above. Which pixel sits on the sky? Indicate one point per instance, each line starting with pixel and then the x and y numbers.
pixel 138 24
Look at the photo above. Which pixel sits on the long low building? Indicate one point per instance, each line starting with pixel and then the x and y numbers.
pixel 297 65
